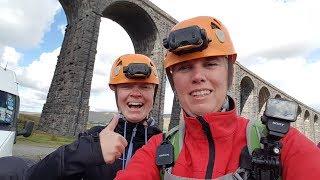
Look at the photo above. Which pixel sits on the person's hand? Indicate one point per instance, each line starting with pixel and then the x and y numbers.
pixel 112 144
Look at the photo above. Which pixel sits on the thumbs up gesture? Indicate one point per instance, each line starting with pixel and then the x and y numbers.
pixel 112 144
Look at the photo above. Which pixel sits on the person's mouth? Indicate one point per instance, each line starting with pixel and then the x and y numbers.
pixel 135 105
pixel 200 92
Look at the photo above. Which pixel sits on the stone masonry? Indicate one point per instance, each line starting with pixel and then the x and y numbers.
pixel 66 109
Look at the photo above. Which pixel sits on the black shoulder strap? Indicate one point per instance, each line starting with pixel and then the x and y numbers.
pixel 245 159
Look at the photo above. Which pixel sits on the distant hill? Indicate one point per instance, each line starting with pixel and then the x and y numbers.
pixel 99 118
pixel 30 113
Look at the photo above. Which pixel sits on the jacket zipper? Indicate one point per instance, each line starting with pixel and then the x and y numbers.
pixel 207 131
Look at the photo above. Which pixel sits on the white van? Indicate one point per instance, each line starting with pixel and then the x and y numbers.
pixel 9 111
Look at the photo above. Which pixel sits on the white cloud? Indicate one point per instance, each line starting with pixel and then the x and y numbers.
pixel 31 100
pixel 256 25
pixel 62 28
pixel 23 23
pixel 295 76
pixel 39 73
pixel 9 58
pixel 34 80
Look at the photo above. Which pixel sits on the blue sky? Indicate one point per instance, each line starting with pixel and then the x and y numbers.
pixel 51 40
pixel 278 40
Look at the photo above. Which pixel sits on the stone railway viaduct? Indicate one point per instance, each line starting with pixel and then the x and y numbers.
pixel 66 109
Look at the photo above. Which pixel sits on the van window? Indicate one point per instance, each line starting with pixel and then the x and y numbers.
pixel 7 107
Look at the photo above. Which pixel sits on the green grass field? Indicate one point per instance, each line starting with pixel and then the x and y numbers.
pixel 39 138
pixel 42 139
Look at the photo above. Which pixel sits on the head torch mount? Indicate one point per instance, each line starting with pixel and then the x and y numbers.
pixel 137 71
pixel 186 40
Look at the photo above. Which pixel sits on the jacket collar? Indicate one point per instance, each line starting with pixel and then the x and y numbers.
pixel 222 124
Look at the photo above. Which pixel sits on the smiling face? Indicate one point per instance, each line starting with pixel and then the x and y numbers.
pixel 135 100
pixel 201 84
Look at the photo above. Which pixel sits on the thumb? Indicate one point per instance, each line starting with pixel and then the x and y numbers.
pixel 113 123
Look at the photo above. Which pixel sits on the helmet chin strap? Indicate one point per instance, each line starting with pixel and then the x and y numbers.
pixel 225 106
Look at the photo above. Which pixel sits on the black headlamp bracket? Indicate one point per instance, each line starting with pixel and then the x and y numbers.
pixel 186 40
pixel 137 71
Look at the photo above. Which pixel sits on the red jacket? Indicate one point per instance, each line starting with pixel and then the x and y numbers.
pixel 300 157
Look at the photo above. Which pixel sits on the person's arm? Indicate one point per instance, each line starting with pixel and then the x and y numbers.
pixel 95 147
pixel 300 157
pixel 143 163
pixel 69 161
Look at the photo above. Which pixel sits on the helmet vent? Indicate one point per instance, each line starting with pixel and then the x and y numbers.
pixel 119 63
pixel 214 26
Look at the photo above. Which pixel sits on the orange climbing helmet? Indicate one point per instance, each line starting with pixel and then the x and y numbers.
pixel 132 68
pixel 198 37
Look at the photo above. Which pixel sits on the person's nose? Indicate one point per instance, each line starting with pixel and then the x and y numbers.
pixel 136 92
pixel 198 75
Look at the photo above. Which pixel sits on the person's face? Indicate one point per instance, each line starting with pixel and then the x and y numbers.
pixel 135 100
pixel 201 84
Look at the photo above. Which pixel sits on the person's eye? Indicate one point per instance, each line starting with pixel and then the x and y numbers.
pixel 125 87
pixel 211 64
pixel 146 87
pixel 183 68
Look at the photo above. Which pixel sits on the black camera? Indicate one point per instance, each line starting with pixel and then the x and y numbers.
pixel 137 71
pixel 278 115
pixel 186 40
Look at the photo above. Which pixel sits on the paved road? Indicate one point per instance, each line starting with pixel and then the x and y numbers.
pixel 31 151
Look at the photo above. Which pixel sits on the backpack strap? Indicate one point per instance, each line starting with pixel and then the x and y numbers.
pixel 254 131
pixel 176 136
pixel 173 137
